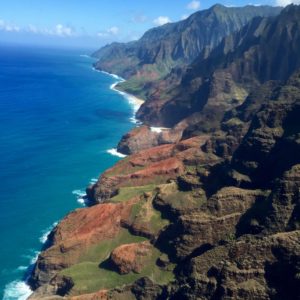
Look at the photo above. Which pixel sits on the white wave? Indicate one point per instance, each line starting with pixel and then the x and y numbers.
pixel 119 78
pixel 22 268
pixel 80 201
pixel 114 152
pixel 43 239
pixel 34 257
pixel 93 180
pixel 133 120
pixel 134 102
pixel 84 55
pixel 80 195
pixel 17 290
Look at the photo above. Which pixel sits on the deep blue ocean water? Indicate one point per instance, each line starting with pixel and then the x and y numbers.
pixel 58 117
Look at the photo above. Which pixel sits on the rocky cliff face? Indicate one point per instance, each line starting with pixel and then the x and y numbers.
pixel 173 45
pixel 212 211
pixel 233 69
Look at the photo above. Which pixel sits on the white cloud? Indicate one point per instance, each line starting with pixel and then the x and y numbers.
pixel 193 5
pixel 32 28
pixel 183 17
pixel 161 20
pixel 62 30
pixel 58 30
pixel 5 26
pixel 286 2
pixel 114 30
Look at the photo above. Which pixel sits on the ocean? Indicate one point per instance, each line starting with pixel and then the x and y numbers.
pixel 60 121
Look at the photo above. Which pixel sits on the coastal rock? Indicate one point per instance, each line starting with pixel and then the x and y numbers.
pixel 74 234
pixel 131 257
pixel 165 162
pixel 143 137
pixel 58 285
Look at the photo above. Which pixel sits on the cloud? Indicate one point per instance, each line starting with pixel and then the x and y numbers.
pixel 183 17
pixel 32 28
pixel 113 30
pixel 5 26
pixel 286 2
pixel 161 20
pixel 57 30
pixel 193 5
pixel 62 30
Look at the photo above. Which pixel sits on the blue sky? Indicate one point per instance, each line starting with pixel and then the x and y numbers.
pixel 93 23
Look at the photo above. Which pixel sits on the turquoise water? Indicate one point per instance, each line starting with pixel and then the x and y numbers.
pixel 58 118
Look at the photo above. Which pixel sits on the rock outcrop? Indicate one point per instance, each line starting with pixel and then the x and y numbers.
pixel 131 257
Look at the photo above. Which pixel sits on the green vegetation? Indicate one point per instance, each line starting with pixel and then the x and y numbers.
pixel 185 200
pixel 102 251
pixel 146 215
pixel 127 193
pixel 89 275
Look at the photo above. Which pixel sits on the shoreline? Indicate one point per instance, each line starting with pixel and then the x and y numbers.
pixel 22 287
pixel 133 100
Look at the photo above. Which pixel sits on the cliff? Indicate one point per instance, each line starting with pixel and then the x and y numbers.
pixel 173 45
pixel 207 209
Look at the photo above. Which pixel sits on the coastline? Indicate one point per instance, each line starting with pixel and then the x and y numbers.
pixel 134 101
pixel 21 289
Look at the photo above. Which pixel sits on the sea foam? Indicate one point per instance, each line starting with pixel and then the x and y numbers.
pixel 43 239
pixel 81 196
pixel 84 55
pixel 93 180
pixel 114 152
pixel 17 290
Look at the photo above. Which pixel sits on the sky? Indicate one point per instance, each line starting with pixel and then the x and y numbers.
pixel 94 23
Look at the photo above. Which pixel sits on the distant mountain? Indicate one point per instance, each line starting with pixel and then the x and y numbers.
pixel 264 49
pixel 174 44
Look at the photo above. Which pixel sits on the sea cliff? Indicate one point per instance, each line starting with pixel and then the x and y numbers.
pixel 208 207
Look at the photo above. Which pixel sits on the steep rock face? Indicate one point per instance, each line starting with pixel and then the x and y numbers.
pixel 268 142
pixel 74 235
pixel 237 66
pixel 245 269
pixel 162 48
pixel 211 221
pixel 159 163
pixel 143 137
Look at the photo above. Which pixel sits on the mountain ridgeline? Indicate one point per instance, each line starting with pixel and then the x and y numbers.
pixel 208 208
pixel 264 49
pixel 174 44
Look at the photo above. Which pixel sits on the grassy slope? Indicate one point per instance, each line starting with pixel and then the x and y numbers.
pixel 92 273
